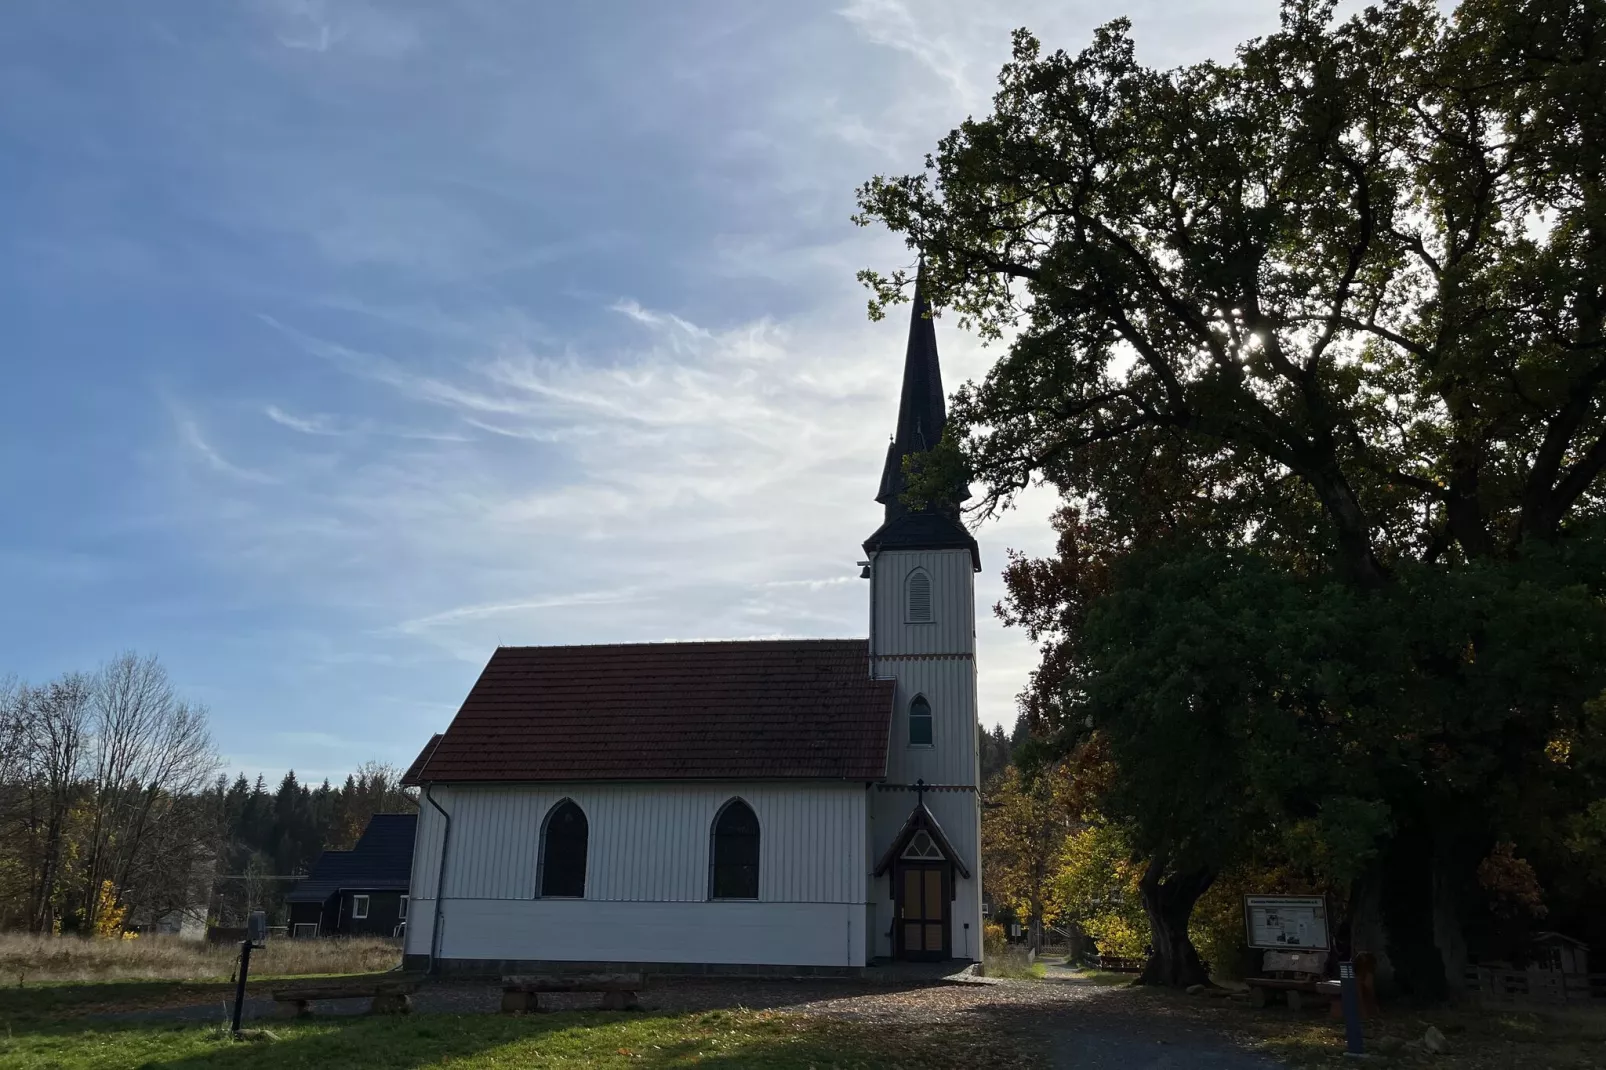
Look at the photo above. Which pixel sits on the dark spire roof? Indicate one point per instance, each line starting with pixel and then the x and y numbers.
pixel 922 412
pixel 922 415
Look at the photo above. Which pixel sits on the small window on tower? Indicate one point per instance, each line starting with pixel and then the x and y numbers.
pixel 920 722
pixel 919 597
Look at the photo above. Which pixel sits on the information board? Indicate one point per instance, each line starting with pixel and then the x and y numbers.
pixel 1287 921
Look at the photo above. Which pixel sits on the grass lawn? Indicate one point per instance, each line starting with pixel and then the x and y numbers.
pixel 1108 978
pixel 1479 1039
pixel 50 1000
pixel 44 1028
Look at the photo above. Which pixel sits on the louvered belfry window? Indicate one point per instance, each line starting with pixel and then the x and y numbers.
pixel 920 722
pixel 919 597
pixel 563 852
pixel 735 856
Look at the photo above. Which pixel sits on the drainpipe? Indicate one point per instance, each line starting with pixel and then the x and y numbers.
pixel 440 883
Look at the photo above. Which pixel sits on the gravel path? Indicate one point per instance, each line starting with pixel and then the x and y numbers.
pixel 1090 1049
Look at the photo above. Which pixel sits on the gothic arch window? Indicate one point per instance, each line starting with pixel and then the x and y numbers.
pixel 733 863
pixel 564 835
pixel 918 591
pixel 920 722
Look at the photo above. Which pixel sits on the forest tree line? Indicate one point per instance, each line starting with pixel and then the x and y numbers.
pixel 115 811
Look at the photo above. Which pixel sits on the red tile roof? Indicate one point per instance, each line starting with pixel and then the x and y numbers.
pixel 669 711
pixel 410 778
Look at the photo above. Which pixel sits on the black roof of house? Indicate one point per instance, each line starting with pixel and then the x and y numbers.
pixel 922 415
pixel 382 861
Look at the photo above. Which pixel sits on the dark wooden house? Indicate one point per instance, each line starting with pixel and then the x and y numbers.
pixel 360 892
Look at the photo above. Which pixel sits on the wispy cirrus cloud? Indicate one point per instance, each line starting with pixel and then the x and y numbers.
pixel 340 25
pixel 468 316
pixel 190 433
pixel 313 425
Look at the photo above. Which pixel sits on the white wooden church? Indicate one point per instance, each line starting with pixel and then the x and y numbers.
pixel 774 806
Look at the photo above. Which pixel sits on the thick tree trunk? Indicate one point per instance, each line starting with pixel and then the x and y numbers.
pixel 1364 932
pixel 1168 901
pixel 1409 912
pixel 1448 936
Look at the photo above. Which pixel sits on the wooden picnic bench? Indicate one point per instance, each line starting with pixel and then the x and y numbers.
pixel 390 994
pixel 1118 964
pixel 1296 973
pixel 523 993
pixel 1365 989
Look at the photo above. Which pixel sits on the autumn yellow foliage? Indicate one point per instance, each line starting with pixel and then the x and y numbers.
pixel 1023 827
pixel 1096 886
pixel 108 911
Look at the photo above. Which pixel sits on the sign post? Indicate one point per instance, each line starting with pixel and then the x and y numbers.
pixel 256 935
pixel 1286 922
pixel 1354 1040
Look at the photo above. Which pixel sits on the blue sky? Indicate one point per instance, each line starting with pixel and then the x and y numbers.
pixel 345 341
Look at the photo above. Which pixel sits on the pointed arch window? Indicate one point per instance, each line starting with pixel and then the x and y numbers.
pixel 564 837
pixel 920 734
pixel 733 866
pixel 918 591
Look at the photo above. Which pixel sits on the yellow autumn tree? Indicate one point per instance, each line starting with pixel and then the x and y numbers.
pixel 1023 829
pixel 1096 886
pixel 108 911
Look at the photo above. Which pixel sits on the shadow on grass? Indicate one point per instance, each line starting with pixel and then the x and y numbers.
pixel 719 1039
pixel 48 1000
pixel 65 999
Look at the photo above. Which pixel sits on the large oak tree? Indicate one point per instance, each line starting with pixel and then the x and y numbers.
pixel 1332 312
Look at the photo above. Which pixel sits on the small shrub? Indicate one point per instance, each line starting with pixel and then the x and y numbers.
pixel 1011 962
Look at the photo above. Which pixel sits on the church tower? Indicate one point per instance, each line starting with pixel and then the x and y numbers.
pixel 925 888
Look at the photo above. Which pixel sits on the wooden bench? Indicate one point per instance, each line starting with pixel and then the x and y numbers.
pixel 389 995
pixel 1117 964
pixel 520 994
pixel 1295 973
pixel 1365 989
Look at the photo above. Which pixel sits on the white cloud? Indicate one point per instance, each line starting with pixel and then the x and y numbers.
pixel 702 481
pixel 333 25
pixel 695 459
pixel 315 425
pixel 474 613
pixel 191 435
pixel 892 24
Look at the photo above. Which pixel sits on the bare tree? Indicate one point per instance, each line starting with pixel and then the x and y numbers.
pixel 148 751
pixel 14 729
pixel 58 720
pixel 375 788
pixel 16 738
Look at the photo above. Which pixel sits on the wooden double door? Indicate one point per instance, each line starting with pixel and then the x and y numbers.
pixel 921 931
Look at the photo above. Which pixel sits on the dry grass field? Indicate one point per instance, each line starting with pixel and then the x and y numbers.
pixel 26 959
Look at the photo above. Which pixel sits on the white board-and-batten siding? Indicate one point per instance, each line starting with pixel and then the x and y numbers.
pixel 934 659
pixel 953 603
pixel 647 875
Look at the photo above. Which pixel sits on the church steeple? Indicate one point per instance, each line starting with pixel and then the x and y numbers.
pixel 922 412
pixel 922 415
